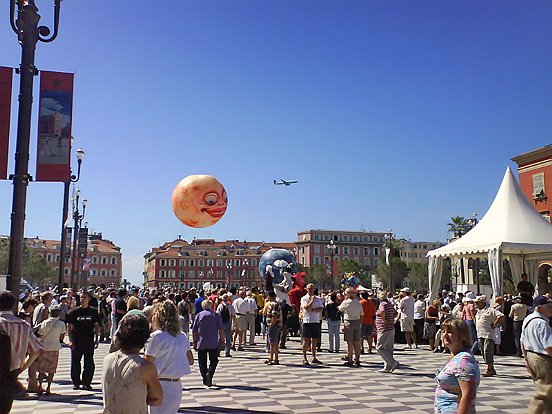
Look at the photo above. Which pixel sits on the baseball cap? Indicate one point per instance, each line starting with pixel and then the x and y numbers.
pixel 540 300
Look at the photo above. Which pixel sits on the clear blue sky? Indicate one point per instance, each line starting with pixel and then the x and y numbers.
pixel 391 114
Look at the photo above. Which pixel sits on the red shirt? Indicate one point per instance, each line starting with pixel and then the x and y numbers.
pixel 369 311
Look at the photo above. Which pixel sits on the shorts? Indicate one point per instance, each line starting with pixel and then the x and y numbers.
pixel 274 334
pixel 366 331
pixel 407 325
pixel 351 330
pixel 241 323
pixel 311 330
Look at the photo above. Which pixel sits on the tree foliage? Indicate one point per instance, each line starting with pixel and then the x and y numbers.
pixel 459 226
pixel 34 267
pixel 398 269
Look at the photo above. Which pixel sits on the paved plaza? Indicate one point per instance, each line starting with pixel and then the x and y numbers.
pixel 245 385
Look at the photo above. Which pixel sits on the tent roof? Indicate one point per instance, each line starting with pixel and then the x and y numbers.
pixel 511 223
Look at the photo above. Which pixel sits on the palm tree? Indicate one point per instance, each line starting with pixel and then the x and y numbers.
pixel 458 226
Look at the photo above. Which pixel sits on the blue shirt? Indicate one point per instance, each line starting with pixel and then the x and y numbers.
pixel 206 325
pixel 536 335
pixel 198 308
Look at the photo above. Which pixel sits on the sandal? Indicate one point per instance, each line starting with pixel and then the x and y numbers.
pixel 274 363
pixel 267 361
pixel 305 362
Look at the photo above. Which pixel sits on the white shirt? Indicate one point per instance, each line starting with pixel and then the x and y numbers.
pixel 352 309
pixel 310 316
pixel 484 318
pixel 252 305
pixel 537 335
pixel 241 306
pixel 50 331
pixel 406 306
pixel 170 354
pixel 419 309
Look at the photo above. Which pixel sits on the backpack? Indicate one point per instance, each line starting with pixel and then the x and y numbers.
pixel 225 313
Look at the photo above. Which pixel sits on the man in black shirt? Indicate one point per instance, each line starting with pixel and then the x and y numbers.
pixel 526 290
pixel 83 326
pixel 120 307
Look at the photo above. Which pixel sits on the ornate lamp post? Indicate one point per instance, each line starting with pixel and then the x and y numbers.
pixel 229 275
pixel 63 248
pixel 332 248
pixel 29 34
pixel 77 220
pixel 471 224
pixel 389 237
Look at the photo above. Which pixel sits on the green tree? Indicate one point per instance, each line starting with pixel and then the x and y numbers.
pixel 34 268
pixel 458 226
pixel 316 274
pixel 347 265
pixel 399 272
pixel 418 275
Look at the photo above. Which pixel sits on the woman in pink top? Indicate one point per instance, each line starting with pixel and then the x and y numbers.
pixel 468 314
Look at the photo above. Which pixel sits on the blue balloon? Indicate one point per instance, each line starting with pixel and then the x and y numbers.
pixel 269 257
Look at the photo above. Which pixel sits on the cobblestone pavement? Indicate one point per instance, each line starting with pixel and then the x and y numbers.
pixel 245 385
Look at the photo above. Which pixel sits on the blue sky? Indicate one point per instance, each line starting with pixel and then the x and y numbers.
pixel 391 114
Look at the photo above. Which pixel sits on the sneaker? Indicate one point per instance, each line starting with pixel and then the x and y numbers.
pixel 305 362
pixel 383 371
pixel 86 387
pixel 348 364
pixel 76 387
pixel 357 364
pixel 208 380
pixel 394 366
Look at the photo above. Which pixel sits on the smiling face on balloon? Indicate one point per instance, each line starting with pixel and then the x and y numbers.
pixel 199 201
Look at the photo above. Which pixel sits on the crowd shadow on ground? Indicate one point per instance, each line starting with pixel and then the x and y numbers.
pixel 221 410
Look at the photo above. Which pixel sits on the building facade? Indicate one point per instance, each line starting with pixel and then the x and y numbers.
pixel 415 252
pixel 102 266
pixel 535 180
pixel 363 247
pixel 184 264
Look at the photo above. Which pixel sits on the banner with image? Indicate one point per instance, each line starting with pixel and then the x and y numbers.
pixel 54 127
pixel 6 77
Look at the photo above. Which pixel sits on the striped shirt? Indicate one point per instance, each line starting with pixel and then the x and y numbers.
pixel 385 317
pixel 23 341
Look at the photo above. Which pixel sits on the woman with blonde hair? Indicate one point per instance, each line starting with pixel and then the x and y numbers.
pixel 458 380
pixel 169 349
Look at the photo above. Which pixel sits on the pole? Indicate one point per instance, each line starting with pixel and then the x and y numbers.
pixel 28 19
pixel 62 250
pixel 74 267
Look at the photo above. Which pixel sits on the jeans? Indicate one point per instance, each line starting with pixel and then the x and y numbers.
pixel 475 345
pixel 517 336
pixel 333 330
pixel 202 361
pixel 86 350
pixel 227 327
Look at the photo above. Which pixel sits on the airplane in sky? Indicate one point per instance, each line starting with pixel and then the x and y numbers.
pixel 287 183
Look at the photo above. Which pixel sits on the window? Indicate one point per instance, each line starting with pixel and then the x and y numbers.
pixel 355 238
pixel 201 263
pixel 219 263
pixel 114 260
pixel 162 263
pixel 182 262
pixel 303 260
pixel 94 259
pixel 538 184
pixel 375 239
pixel 104 260
pixel 112 273
pixel 365 238
pixel 345 249
pixel 191 273
pixel 171 274
pixel 316 248
pixel 425 246
pixel 49 257
pixel 182 274
pixel 355 251
pixel 210 262
pixel 172 262
pixel 192 263
pixel 57 258
pixel 65 271
pixel 376 251
pixel 316 260
pixel 219 274
pixel 237 262
pixel 253 262
pixel 103 272
pixel 366 251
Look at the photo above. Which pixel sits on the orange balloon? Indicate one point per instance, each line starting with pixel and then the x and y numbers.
pixel 199 200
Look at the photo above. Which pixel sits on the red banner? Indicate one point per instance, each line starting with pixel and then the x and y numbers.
pixel 54 127
pixel 6 76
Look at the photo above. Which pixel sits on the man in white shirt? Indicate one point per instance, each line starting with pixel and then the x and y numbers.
pixel 406 309
pixel 311 309
pixel 486 319
pixel 241 307
pixel 352 315
pixel 536 341
pixel 250 316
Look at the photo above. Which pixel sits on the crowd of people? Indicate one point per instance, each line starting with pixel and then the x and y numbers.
pixel 155 333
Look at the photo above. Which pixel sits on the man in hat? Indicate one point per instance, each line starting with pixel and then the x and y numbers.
pixel 536 341
pixel 518 312
pixel 486 319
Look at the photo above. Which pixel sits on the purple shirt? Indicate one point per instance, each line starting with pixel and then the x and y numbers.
pixel 206 325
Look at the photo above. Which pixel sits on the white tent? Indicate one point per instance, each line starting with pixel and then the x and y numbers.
pixel 511 229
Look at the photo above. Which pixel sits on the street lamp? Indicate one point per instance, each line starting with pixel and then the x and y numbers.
pixel 63 247
pixel 389 237
pixel 77 220
pixel 332 249
pixel 29 34
pixel 228 274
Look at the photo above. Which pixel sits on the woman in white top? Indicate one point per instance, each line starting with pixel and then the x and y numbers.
pixel 169 349
pixel 129 382
pixel 51 332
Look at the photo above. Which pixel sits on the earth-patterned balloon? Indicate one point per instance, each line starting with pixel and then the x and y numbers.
pixel 269 257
